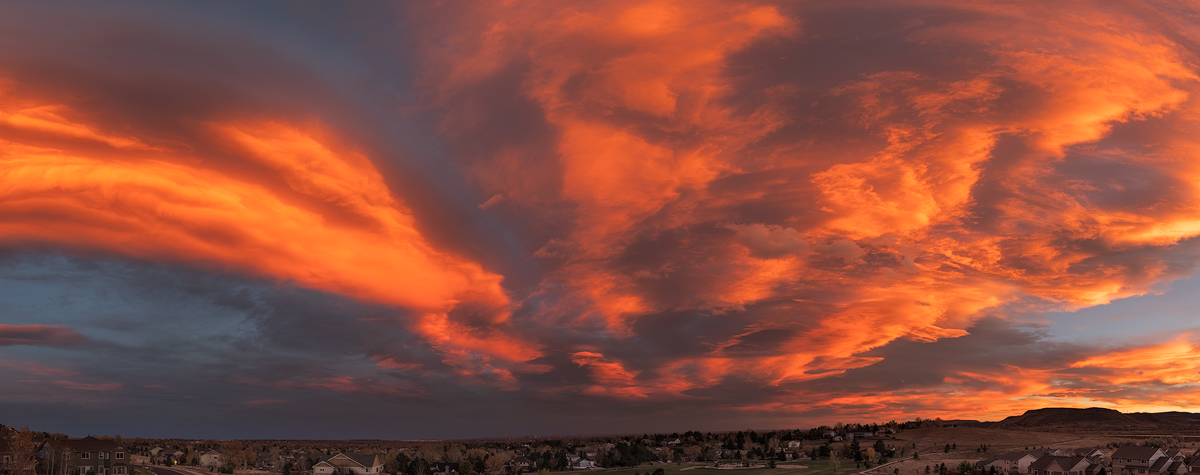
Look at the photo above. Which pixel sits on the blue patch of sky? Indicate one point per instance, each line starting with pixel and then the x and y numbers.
pixel 1151 317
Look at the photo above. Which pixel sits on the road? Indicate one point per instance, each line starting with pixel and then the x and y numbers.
pixel 169 471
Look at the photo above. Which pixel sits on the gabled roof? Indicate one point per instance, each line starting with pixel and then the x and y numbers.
pixel 1015 456
pixel 1045 461
pixel 91 444
pixel 1075 463
pixel 1041 463
pixel 347 460
pixel 1135 452
pixel 984 462
pixel 366 460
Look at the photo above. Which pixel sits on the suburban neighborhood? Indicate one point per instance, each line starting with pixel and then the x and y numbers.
pixel 920 447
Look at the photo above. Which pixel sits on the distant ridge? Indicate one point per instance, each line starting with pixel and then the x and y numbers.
pixel 1099 418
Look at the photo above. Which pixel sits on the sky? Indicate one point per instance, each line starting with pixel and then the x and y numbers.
pixel 417 220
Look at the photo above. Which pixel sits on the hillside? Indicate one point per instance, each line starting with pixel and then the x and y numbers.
pixel 1097 418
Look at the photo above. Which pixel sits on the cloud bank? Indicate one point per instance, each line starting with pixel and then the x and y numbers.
pixel 767 211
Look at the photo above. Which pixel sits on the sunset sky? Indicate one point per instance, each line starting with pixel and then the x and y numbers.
pixel 467 219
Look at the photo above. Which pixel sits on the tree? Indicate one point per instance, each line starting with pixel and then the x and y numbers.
pixel 966 468
pixel 947 449
pixel 24 453
pixel 498 461
pixel 833 461
pixel 54 450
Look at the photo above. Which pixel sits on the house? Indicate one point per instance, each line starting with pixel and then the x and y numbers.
pixel 1168 466
pixel 84 456
pixel 6 455
pixel 861 434
pixel 987 465
pixel 1132 460
pixel 210 459
pixel 351 464
pixel 1058 465
pixel 524 463
pixel 263 460
pixel 442 468
pixel 1093 455
pixel 168 457
pixel 1014 462
pixel 583 464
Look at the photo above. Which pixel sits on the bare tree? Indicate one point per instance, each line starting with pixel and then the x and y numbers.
pixel 68 461
pixel 52 456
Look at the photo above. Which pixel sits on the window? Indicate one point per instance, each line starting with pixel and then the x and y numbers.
pixel 85 455
pixel 120 455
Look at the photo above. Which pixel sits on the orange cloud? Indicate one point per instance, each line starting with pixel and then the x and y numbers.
pixel 168 205
pixel 897 203
pixel 697 195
